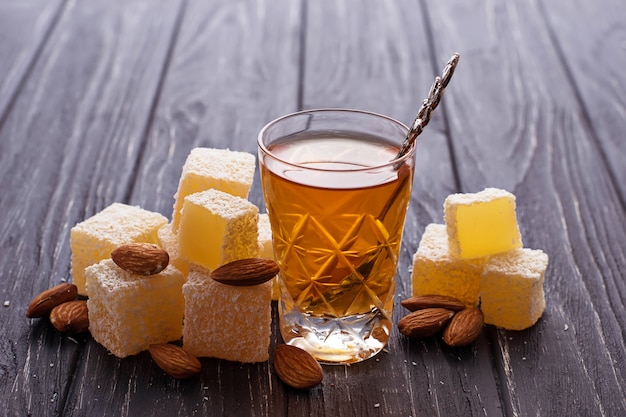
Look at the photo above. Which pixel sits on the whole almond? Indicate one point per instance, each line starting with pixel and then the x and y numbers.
pixel 424 323
pixel 175 361
pixel 43 304
pixel 464 327
pixel 70 317
pixel 296 367
pixel 244 272
pixel 419 302
pixel 141 258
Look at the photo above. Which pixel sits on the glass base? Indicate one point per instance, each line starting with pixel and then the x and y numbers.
pixel 336 341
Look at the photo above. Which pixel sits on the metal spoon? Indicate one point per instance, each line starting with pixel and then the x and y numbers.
pixel 429 105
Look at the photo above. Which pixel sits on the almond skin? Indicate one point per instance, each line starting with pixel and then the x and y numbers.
pixel 70 317
pixel 42 305
pixel 141 258
pixel 175 361
pixel 244 272
pixel 424 323
pixel 419 302
pixel 464 327
pixel 296 367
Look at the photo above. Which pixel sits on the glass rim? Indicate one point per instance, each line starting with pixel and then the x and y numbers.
pixel 408 155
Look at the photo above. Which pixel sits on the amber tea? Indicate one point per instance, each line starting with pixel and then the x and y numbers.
pixel 337 208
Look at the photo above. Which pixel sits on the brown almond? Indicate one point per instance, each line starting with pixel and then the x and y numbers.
pixel 244 272
pixel 464 327
pixel 141 258
pixel 70 317
pixel 175 361
pixel 419 302
pixel 424 323
pixel 296 367
pixel 43 304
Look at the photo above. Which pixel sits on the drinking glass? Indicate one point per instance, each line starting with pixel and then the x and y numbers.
pixel 337 196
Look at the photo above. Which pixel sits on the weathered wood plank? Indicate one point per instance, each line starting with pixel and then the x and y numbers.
pixel 233 67
pixel 102 101
pixel 69 148
pixel 24 28
pixel 517 123
pixel 377 58
pixel 595 66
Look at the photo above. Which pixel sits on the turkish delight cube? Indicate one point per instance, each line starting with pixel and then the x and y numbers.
pixel 225 321
pixel 221 169
pixel 481 224
pixel 266 250
pixel 93 239
pixel 436 272
pixel 128 312
pixel 511 288
pixel 168 240
pixel 217 228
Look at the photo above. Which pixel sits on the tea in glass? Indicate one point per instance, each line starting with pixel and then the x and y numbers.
pixel 337 198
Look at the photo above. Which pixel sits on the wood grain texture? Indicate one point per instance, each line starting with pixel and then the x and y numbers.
pixel 231 68
pixel 71 132
pixel 385 67
pixel 24 30
pixel 594 66
pixel 234 68
pixel 102 102
pixel 539 146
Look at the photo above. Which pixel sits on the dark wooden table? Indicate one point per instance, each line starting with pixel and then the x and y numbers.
pixel 101 101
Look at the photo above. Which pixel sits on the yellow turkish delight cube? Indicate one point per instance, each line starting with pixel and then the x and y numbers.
pixel 217 228
pixel 481 224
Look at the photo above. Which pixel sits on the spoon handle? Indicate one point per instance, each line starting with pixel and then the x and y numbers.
pixel 429 105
